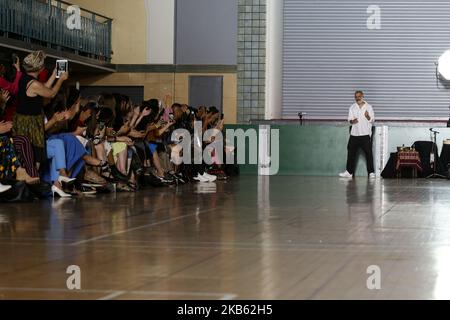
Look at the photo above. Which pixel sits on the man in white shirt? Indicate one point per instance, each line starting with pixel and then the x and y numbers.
pixel 361 117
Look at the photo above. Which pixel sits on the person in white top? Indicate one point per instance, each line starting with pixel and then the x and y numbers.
pixel 361 117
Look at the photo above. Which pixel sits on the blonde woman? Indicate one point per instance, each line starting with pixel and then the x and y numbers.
pixel 29 118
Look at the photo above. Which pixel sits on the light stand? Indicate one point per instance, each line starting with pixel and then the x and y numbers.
pixel 448 122
pixel 300 117
pixel 434 153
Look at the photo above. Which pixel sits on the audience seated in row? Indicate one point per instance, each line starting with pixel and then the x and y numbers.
pixel 51 135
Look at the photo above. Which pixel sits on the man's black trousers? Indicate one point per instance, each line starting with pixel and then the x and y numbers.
pixel 354 143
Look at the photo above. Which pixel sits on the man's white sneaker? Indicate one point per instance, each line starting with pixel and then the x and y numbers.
pixel 372 175
pixel 345 174
pixel 210 177
pixel 201 178
pixel 4 188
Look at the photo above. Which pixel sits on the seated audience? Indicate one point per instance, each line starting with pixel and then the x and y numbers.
pixel 49 134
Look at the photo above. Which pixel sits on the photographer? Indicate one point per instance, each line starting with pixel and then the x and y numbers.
pixel 107 146
pixel 157 138
pixel 28 119
pixel 127 124
pixel 184 117
pixel 214 120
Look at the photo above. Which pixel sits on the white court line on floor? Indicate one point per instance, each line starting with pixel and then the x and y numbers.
pixel 228 297
pixel 111 294
pixel 311 246
pixel 140 227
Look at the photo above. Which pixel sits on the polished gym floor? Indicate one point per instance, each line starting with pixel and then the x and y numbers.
pixel 246 238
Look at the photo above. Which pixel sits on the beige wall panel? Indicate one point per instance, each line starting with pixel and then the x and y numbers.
pixel 129 34
pixel 157 85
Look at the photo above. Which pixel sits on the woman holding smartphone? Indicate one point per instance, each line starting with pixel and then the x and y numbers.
pixel 29 118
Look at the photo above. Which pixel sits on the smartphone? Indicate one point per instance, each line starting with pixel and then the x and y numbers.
pixel 61 66
pixel 171 117
pixel 15 57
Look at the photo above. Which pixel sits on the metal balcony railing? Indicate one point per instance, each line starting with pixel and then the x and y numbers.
pixel 45 22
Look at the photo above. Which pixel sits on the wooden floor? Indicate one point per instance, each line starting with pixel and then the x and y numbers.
pixel 248 238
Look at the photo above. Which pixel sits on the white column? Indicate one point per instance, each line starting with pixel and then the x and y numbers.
pixel 264 150
pixel 161 31
pixel 381 148
pixel 274 59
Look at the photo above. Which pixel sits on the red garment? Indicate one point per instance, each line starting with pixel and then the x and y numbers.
pixel 13 88
pixel 43 76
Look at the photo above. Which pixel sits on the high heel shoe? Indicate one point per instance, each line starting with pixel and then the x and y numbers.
pixel 59 192
pixel 62 179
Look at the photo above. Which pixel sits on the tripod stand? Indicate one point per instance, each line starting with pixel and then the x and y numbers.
pixel 434 154
pixel 300 117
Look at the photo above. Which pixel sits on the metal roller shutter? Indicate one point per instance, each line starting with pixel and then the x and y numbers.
pixel 329 52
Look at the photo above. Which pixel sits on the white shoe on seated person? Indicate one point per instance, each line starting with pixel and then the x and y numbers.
pixel 345 174
pixel 210 177
pixel 201 178
pixel 372 175
pixel 4 188
pixel 65 179
pixel 59 192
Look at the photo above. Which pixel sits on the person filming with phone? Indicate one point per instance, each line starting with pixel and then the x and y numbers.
pixel 29 117
pixel 361 117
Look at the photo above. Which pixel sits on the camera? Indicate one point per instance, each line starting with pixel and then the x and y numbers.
pixel 14 58
pixel 97 140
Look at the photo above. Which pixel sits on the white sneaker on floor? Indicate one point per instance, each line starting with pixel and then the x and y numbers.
pixel 345 174
pixel 201 178
pixel 4 188
pixel 210 177
pixel 372 175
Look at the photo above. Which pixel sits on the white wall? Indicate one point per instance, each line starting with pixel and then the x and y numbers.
pixel 161 31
